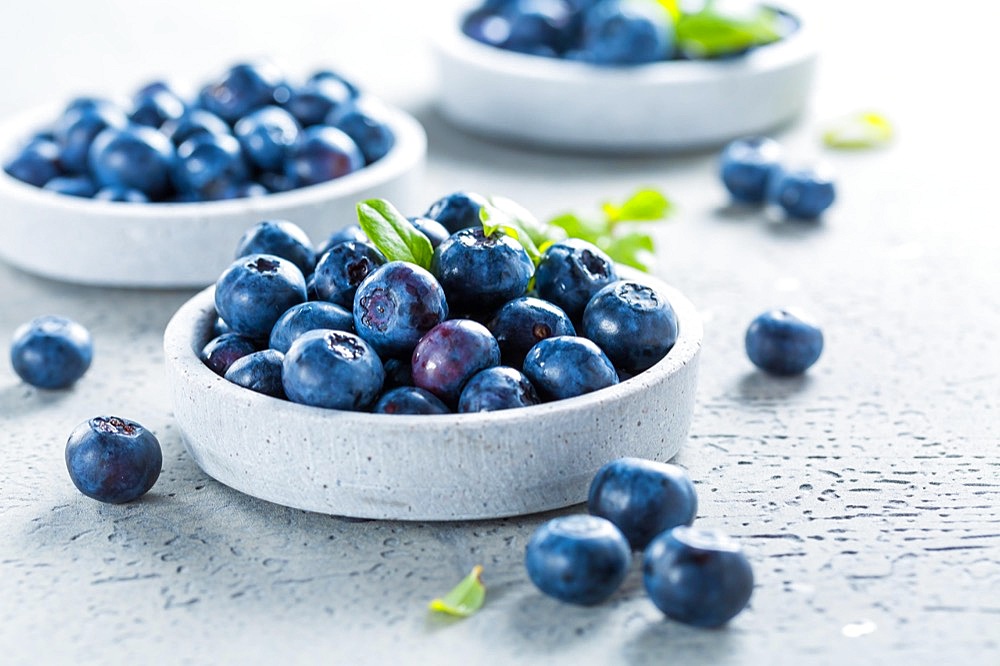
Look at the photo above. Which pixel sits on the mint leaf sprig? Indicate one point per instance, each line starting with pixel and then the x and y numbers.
pixel 715 30
pixel 616 232
pixel 465 598
pixel 513 219
pixel 393 234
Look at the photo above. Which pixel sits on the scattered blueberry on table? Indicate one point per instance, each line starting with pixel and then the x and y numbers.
pixel 251 131
pixel 784 342
pixel 114 460
pixel 51 352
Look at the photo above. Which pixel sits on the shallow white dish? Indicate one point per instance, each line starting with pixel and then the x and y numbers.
pixel 671 105
pixel 186 244
pixel 448 467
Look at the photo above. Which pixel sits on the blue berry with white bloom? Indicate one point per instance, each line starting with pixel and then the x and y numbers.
pixel 193 123
pixel 496 388
pixel 698 577
pixel 457 211
pixel 571 272
pixel 226 348
pixel 114 460
pixel 363 119
pixel 322 154
pixel 803 193
pixel 567 366
pixel 51 352
pixel 626 32
pixel 137 158
pixel 578 559
pixel 747 166
pixel 244 88
pixel 280 237
pixel 449 354
pixel 480 273
pixel 36 164
pixel 784 342
pixel 308 316
pixel 267 136
pixel 643 498
pixel 633 323
pixel 76 130
pixel 260 372
pixel 332 369
pixel 409 400
pixel 253 293
pixel 314 101
pixel 208 164
pixel 342 268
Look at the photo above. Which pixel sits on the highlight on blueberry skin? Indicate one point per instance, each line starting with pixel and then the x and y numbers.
pixel 113 460
pixel 567 366
pixel 578 559
pixel 643 498
pixel 281 238
pixel 260 372
pixel 784 342
pixel 51 352
pixel 633 324
pixel 747 166
pixel 479 273
pixel 497 388
pixel 696 576
pixel 308 316
pixel 571 272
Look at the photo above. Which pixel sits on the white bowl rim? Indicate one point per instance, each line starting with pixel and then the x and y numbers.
pixel 182 343
pixel 798 45
pixel 409 148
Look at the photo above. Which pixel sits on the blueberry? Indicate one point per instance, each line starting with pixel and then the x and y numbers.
pixel 409 400
pixel 114 460
pixel 487 26
pixel 153 106
pixel 364 120
pixel 803 193
pixel 578 559
pixel 244 88
pixel 309 316
pixel 398 372
pixel 332 369
pixel 326 74
pixel 540 27
pixel 342 268
pixel 260 371
pixel 480 273
pixel 457 211
pixel 643 498
pixel 137 158
pixel 571 272
pixel 698 577
pixel 122 194
pixel 242 190
pixel 497 388
pixel 747 165
pixel 434 230
pixel 351 232
pixel 193 123
pixel 78 128
pixel 279 237
pixel 255 291
pixel 36 164
pixel 208 164
pixel 524 322
pixel 324 153
pixel 632 323
pixel 313 102
pixel 396 305
pixel 567 366
pixel 51 352
pixel 449 354
pixel 74 186
pixel 627 32
pixel 267 136
pixel 226 348
pixel 784 342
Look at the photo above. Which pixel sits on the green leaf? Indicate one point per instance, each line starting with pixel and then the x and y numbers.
pixel 506 219
pixel 465 598
pixel 646 205
pixel 635 249
pixel 711 32
pixel 577 227
pixel 393 234
pixel 866 129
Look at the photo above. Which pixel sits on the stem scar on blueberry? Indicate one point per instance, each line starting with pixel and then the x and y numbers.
pixel 113 424
pixel 263 265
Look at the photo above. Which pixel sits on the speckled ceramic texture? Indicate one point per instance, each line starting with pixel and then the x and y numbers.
pixel 447 467
pixel 180 245
pixel 673 105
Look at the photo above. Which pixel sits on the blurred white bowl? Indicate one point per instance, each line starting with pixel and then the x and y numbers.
pixel 673 105
pixel 164 245
pixel 445 467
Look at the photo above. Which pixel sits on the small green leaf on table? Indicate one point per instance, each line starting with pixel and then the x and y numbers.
pixel 865 129
pixel 465 598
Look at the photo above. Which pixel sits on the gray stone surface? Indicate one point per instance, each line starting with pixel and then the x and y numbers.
pixel 865 493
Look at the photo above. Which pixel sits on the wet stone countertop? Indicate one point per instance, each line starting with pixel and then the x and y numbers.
pixel 866 493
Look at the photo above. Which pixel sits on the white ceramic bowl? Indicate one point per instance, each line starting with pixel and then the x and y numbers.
pixel 447 467
pixel 671 105
pixel 180 245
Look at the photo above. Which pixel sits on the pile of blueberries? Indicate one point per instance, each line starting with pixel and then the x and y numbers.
pixel 753 172
pixel 599 32
pixel 696 576
pixel 250 132
pixel 482 330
